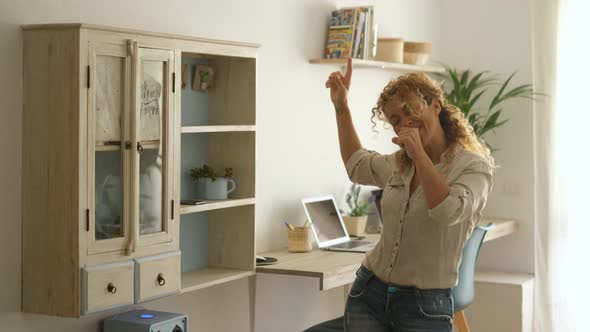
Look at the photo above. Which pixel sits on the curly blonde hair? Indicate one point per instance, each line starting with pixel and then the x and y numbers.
pixel 458 131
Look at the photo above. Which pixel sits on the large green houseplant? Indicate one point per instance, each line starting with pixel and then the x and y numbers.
pixel 465 90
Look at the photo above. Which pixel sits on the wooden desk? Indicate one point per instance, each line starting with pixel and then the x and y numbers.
pixel 336 269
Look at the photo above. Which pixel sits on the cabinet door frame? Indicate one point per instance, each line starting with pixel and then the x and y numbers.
pixel 116 50
pixel 167 57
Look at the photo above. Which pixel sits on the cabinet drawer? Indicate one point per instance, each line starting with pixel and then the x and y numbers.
pixel 156 276
pixel 107 286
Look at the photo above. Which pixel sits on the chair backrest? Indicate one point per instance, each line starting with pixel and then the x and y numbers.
pixel 464 292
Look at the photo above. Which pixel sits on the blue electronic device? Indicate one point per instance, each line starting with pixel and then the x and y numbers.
pixel 146 321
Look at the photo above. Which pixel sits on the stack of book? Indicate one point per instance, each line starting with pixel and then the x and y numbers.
pixel 350 33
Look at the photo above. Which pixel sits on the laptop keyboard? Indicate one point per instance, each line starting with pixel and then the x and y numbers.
pixel 351 244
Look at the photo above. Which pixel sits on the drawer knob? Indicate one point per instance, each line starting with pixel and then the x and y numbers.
pixel 111 288
pixel 161 280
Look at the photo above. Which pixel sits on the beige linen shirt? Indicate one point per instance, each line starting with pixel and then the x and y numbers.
pixel 419 246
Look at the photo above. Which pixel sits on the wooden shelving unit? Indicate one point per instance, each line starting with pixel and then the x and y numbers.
pixel 359 63
pixel 114 161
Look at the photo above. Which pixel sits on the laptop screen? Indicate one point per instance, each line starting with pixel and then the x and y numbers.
pixel 325 219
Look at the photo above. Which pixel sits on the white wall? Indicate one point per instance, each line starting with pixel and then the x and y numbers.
pixel 497 36
pixel 297 143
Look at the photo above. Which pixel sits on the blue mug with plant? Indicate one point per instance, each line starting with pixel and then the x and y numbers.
pixel 210 185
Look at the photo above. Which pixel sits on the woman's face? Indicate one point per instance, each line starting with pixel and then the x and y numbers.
pixel 424 117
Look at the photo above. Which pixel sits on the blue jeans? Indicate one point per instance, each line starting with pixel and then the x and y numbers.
pixel 373 305
pixel 376 306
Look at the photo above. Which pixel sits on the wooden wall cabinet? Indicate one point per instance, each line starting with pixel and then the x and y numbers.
pixel 105 160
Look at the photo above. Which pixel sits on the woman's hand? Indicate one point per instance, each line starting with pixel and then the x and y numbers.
pixel 408 138
pixel 339 86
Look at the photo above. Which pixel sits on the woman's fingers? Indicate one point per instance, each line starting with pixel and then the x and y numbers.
pixel 335 80
pixel 339 83
pixel 407 130
pixel 331 79
pixel 400 141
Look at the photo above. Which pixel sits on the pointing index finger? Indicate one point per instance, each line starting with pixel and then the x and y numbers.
pixel 348 74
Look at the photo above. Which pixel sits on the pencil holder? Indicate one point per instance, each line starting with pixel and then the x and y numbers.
pixel 299 239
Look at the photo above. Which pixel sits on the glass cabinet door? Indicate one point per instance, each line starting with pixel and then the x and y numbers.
pixel 108 164
pixel 153 127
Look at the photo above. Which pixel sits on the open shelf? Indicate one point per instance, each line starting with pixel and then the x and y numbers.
pixel 210 276
pixel 229 101
pixel 215 205
pixel 216 129
pixel 359 63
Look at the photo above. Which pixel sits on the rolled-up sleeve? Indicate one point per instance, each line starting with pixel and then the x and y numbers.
pixel 368 167
pixel 467 197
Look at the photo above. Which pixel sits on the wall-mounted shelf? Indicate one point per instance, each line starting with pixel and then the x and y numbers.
pixel 359 63
pixel 215 205
pixel 216 129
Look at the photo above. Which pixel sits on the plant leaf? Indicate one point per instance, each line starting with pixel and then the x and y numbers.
pixel 492 123
pixel 474 117
pixel 469 106
pixel 474 100
pixel 498 95
pixel 465 77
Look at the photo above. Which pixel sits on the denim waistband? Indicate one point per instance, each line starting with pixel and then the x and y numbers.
pixel 367 275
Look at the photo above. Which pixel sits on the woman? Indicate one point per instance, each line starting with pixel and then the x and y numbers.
pixel 434 190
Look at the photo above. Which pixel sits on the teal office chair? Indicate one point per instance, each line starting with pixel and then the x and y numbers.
pixel 463 293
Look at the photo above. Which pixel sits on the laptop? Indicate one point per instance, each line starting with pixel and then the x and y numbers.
pixel 328 228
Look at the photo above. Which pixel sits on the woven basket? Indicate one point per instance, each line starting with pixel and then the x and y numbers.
pixel 417 53
pixel 299 239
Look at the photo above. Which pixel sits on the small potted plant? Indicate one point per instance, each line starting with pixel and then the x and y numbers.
pixel 203 78
pixel 204 74
pixel 210 185
pixel 356 221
